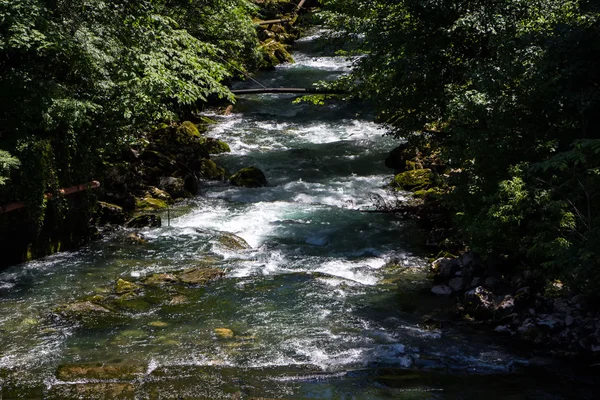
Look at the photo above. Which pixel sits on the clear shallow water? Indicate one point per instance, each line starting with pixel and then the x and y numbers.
pixel 314 308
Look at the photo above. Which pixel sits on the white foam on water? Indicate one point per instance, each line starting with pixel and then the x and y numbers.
pixel 352 271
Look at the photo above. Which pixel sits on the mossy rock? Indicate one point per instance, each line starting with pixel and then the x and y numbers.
pixel 210 170
pixel 216 146
pixel 250 177
pixel 428 194
pixel 204 120
pixel 159 194
pixel 413 180
pixel 158 324
pixel 144 220
pixel 275 53
pixel 122 286
pixel 89 314
pixel 150 204
pixel 110 213
pixel 131 302
pixel 98 371
pixel 82 309
pixel 160 280
pixel 232 242
pixel 224 333
pixel 174 186
pixel 188 129
pixel 200 276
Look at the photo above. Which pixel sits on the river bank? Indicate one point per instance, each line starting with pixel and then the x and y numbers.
pixel 162 166
pixel 493 294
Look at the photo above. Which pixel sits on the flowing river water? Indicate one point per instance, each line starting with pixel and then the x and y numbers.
pixel 328 302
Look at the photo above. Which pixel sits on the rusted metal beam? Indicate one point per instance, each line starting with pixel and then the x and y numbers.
pixel 63 192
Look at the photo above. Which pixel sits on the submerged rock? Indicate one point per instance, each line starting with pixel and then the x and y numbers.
pixel 200 276
pixel 250 177
pixel 124 286
pixel 224 333
pixel 99 371
pixel 135 238
pixel 82 309
pixel 232 242
pixel 161 279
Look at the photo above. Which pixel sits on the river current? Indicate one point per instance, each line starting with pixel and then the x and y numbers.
pixel 328 302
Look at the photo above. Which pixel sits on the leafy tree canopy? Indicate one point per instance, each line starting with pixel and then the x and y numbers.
pixel 507 92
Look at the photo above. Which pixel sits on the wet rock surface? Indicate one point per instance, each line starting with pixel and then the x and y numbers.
pixel 559 324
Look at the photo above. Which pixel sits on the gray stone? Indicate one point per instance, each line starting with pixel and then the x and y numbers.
pixel 467 258
pixel 503 329
pixel 569 320
pixel 456 284
pixel 441 290
pixel 480 302
pixel 446 267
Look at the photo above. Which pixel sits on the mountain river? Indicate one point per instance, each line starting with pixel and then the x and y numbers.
pixel 329 301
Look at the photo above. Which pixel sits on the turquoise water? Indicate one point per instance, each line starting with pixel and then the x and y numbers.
pixel 329 301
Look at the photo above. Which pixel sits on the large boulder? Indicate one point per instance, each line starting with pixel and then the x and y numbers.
pixel 210 170
pixel 413 180
pixel 150 204
pixel 250 177
pixel 110 213
pixel 174 186
pixel 144 220
pixel 216 146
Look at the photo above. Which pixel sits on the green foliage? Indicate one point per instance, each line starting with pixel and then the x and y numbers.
pixel 7 162
pixel 82 80
pixel 508 92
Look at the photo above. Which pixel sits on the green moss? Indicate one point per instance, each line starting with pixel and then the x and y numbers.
pixel 150 203
pixel 210 170
pixel 124 286
pixel 251 177
pixel 275 53
pixel 215 146
pixel 428 194
pixel 413 180
pixel 188 128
